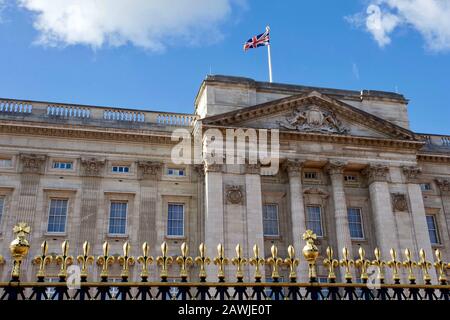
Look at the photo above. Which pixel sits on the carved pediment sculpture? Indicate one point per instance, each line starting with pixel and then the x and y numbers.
pixel 313 119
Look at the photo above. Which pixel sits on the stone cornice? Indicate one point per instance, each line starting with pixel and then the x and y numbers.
pixel 439 158
pixel 376 172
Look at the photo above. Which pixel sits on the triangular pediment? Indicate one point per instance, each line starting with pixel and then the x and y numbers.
pixel 312 112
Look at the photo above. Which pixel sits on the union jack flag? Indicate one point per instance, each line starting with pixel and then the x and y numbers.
pixel 260 40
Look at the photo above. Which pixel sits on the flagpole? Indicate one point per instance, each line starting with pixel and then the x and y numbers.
pixel 270 63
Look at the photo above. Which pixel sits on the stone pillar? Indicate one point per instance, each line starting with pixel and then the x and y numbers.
pixel 419 222
pixel 444 188
pixel 294 169
pixel 214 218
pixel 336 171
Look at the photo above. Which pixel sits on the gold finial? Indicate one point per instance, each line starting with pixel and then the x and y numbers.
pixel 184 260
pixel 394 264
pixel 275 262
pixel 220 261
pixel 440 266
pixel 257 261
pixel 379 264
pixel 126 260
pixel 164 261
pixel 85 259
pixel 19 248
pixel 424 265
pixel 347 264
pixel 64 259
pixel 105 260
pixel 363 263
pixel 42 260
pixel 239 261
pixel 409 264
pixel 310 252
pixel 292 262
pixel 2 260
pixel 145 260
pixel 331 263
pixel 202 260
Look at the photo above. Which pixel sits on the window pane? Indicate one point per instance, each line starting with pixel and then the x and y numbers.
pixel 270 220
pixel 314 220
pixel 432 229
pixel 175 220
pixel 118 218
pixel 355 223
pixel 57 215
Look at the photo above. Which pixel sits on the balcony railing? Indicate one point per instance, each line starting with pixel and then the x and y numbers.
pixel 360 287
pixel 433 140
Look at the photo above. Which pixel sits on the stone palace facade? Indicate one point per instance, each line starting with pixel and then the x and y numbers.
pixel 350 169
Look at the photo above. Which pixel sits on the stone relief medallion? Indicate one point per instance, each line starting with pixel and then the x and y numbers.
pixel 234 194
pixel 313 119
pixel 399 202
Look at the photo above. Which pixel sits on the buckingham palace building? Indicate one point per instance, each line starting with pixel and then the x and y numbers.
pixel 349 168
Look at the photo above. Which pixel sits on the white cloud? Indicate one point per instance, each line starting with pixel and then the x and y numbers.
pixel 431 18
pixel 151 24
pixel 355 70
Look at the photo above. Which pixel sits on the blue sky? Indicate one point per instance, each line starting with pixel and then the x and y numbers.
pixel 316 43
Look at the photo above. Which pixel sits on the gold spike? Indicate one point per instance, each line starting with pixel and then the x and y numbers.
pixel 347 264
pixel 2 260
pixel 292 262
pixel 42 260
pixel 105 260
pixel 424 265
pixel 184 260
pixel 331 263
pixel 126 260
pixel 310 252
pixel 440 266
pixel 64 259
pixel 379 264
pixel 220 261
pixel 239 261
pixel 19 248
pixel 394 264
pixel 164 261
pixel 85 259
pixel 409 264
pixel 363 264
pixel 275 262
pixel 145 260
pixel 202 260
pixel 257 261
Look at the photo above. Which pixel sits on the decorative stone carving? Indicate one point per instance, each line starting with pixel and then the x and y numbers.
pixel 32 163
pixel 200 169
pixel 293 167
pixel 411 173
pixel 399 202
pixel 234 194
pixel 149 169
pixel 335 167
pixel 444 185
pixel 212 167
pixel 253 168
pixel 92 166
pixel 316 191
pixel 376 172
pixel 313 119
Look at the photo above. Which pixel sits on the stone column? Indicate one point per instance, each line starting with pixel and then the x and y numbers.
pixel 419 222
pixel 214 218
pixel 336 171
pixel 294 169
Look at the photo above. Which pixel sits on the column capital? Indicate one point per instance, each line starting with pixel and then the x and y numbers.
pixel 200 169
pixel 254 168
pixel 335 167
pixel 211 166
pixel 32 163
pixel 92 166
pixel 444 185
pixel 376 172
pixel 149 169
pixel 411 173
pixel 293 167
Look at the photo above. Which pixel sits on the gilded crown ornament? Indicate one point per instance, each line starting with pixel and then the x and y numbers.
pixel 292 262
pixel 239 262
pixel 440 266
pixel 85 259
pixel 105 260
pixel 126 260
pixel 184 260
pixel 379 264
pixel 395 265
pixel 409 264
pixel 19 248
pixel 363 264
pixel 310 252
pixel 64 260
pixel 220 261
pixel 275 262
pixel 347 264
pixel 330 263
pixel 42 260
pixel 202 260
pixel 164 261
pixel 424 265
pixel 145 260
pixel 257 261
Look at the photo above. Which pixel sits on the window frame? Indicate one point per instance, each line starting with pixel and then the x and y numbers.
pixel 277 235
pixel 110 234
pixel 436 230
pixel 118 166
pixel 361 219
pixel 321 219
pixel 66 216
pixel 63 162
pixel 175 236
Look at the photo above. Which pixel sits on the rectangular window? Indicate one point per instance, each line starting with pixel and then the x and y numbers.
pixel 355 223
pixel 270 220
pixel 350 178
pixel 175 220
pixel 57 216
pixel 176 172
pixel 314 220
pixel 120 169
pixel 311 175
pixel 5 163
pixel 2 204
pixel 425 186
pixel 118 218
pixel 433 229
pixel 62 165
